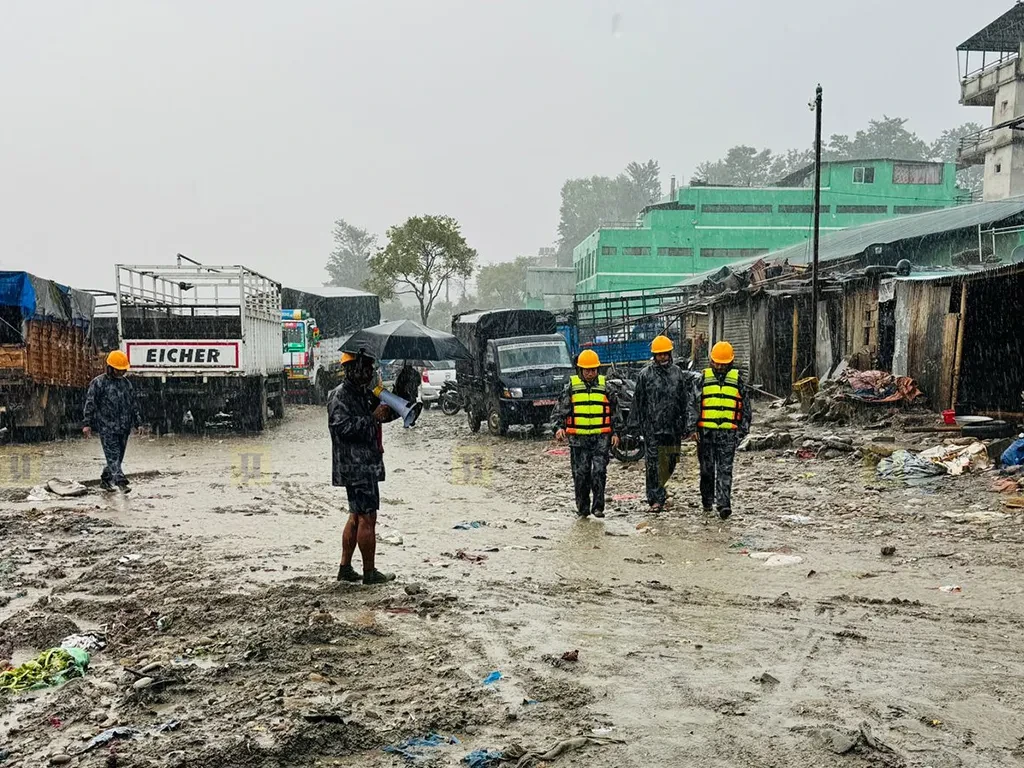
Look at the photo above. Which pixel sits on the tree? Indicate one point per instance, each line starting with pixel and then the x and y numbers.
pixel 590 202
pixel 348 263
pixel 421 256
pixel 883 138
pixel 945 148
pixel 504 284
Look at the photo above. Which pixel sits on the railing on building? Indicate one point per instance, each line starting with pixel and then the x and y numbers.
pixel 986 66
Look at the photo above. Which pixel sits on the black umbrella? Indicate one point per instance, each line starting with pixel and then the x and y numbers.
pixel 405 340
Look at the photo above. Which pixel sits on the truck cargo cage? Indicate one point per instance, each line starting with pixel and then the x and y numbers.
pixel 619 326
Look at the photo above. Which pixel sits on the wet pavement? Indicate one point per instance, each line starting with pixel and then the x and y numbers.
pixel 690 649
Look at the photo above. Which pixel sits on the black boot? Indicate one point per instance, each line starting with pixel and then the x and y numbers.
pixel 724 513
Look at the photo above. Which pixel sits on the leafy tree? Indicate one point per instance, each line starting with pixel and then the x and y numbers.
pixel 421 256
pixel 883 138
pixel 745 166
pixel 504 284
pixel 945 147
pixel 348 263
pixel 590 202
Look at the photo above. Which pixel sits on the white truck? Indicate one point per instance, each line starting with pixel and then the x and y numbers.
pixel 202 340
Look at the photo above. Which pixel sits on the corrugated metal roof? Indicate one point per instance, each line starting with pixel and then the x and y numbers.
pixel 852 242
pixel 1004 35
pixel 332 291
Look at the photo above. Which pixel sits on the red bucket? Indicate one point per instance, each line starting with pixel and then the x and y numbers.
pixel 949 417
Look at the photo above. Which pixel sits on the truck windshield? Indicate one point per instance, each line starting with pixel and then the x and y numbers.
pixel 530 356
pixel 293 336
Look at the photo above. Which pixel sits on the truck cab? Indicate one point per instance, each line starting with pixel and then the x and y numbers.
pixel 300 342
pixel 519 367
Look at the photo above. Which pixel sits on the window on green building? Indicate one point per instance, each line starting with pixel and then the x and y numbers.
pixel 917 173
pixel 675 251
pixel 732 253
pixel 864 175
pixel 803 209
pixel 916 209
pixel 644 251
pixel 733 208
pixel 862 209
pixel 609 250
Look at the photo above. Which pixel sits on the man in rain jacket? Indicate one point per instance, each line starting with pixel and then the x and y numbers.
pixel 354 417
pixel 721 414
pixel 588 413
pixel 112 411
pixel 659 410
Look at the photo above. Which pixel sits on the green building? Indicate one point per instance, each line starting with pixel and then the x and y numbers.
pixel 706 227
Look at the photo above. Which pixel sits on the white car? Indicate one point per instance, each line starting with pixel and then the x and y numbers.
pixel 434 374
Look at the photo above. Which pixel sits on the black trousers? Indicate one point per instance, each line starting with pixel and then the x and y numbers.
pixel 114 445
pixel 716 452
pixel 661 454
pixel 588 457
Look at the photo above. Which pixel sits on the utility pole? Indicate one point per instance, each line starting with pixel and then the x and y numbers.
pixel 817 224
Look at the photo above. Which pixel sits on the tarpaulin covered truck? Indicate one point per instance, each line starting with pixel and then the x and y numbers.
pixel 47 357
pixel 202 340
pixel 338 313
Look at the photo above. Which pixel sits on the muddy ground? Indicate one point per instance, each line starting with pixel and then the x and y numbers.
pixel 217 576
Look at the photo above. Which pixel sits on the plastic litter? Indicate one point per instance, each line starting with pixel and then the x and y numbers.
pixel 49 668
pixel 415 749
pixel 797 519
pixel 1014 455
pixel 392 537
pixel 774 559
pixel 470 525
pixel 482 758
pixel 493 678
pixel 66 487
pixel 39 493
pixel 958 459
pixel 125 559
pixel 903 465
pixel 109 735
pixel 87 643
pixel 954 589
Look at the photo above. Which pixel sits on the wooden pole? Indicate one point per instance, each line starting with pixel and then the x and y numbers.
pixel 961 329
pixel 796 340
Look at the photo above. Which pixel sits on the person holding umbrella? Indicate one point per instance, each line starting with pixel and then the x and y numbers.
pixel 354 417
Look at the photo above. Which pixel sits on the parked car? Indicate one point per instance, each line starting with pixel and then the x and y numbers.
pixel 434 374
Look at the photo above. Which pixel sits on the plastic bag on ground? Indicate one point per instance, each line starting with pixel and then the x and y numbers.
pixel 904 465
pixel 1014 455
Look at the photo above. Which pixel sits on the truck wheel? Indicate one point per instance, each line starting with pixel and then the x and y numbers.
pixel 474 421
pixel 495 423
pixel 254 410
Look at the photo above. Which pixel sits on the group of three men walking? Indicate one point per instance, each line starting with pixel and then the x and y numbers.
pixel 669 404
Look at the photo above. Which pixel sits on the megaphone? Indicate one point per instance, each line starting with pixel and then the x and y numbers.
pixel 408 411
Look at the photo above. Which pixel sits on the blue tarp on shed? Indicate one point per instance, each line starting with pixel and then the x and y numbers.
pixel 38 298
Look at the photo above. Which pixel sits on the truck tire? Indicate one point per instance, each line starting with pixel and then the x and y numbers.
pixel 254 408
pixel 495 423
pixel 474 420
pixel 989 430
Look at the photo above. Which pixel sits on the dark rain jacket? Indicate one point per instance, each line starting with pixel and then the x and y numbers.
pixel 357 450
pixel 564 409
pixel 659 401
pixel 693 407
pixel 111 407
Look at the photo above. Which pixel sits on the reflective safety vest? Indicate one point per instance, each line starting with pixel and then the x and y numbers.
pixel 591 412
pixel 721 406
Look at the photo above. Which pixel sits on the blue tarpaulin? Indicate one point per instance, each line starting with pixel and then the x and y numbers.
pixel 36 297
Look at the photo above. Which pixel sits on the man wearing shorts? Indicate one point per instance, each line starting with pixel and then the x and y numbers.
pixel 354 417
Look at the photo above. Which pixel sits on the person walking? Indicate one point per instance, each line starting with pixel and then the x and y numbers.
pixel 112 412
pixel 354 418
pixel 722 416
pixel 659 411
pixel 588 413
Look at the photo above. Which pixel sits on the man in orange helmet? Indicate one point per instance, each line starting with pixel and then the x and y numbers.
pixel 721 414
pixel 112 411
pixel 588 414
pixel 659 409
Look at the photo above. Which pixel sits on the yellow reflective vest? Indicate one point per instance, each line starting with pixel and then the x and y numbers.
pixel 721 406
pixel 591 412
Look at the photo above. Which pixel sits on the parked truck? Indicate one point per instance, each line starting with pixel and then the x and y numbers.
pixel 519 366
pixel 339 312
pixel 47 355
pixel 203 341
pixel 300 343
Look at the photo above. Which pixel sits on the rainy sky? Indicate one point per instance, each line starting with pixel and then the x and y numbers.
pixel 236 131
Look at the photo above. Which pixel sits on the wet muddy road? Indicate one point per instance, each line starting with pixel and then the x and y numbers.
pixel 217 577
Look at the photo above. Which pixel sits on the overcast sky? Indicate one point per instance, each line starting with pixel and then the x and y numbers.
pixel 236 132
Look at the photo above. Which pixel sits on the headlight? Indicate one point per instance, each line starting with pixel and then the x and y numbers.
pixel 514 392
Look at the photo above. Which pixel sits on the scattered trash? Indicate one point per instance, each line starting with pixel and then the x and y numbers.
pixel 142 683
pixel 482 758
pixel 934 723
pixel 109 735
pixel 805 453
pixel 469 525
pixel 526 759
pixel 129 559
pixel 469 556
pixel 958 459
pixel 164 623
pixel 1014 455
pixel 765 679
pixel 493 678
pixel 413 589
pixel 39 493
pixel 954 589
pixel 811 573
pixel 766 442
pixel 66 487
pixel 571 655
pixel 779 560
pixel 797 519
pixel 414 749
pixel 49 668
pixel 601 731
pixel 908 467
pixel 391 537
pixel 87 643
pixel 528 702
pixel 888 550
pixel 1017 502
pixel 170 725
pixel 557 452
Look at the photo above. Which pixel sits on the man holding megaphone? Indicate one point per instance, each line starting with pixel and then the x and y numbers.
pixel 354 416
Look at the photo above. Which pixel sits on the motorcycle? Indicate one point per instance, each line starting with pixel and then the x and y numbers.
pixel 631 443
pixel 450 399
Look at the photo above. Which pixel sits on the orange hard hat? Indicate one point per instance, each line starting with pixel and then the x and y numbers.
pixel 347 357
pixel 722 353
pixel 118 360
pixel 588 359
pixel 661 344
